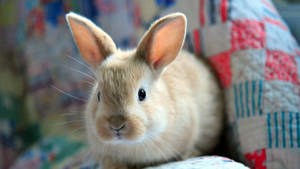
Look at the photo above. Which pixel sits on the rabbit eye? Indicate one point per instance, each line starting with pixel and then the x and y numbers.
pixel 142 94
pixel 99 96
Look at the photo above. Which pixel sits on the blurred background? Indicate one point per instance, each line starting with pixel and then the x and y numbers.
pixel 43 81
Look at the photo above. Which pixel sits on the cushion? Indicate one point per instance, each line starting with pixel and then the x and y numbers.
pixel 257 60
pixel 204 162
pixel 63 153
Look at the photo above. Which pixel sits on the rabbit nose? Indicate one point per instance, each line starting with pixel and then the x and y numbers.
pixel 117 123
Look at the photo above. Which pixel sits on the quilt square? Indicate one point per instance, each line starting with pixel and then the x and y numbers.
pixel 221 63
pixel 282 158
pixel 216 38
pixel 283 129
pixel 281 66
pixel 253 128
pixel 246 9
pixel 247 34
pixel 247 97
pixel 278 37
pixel 248 65
pixel 280 95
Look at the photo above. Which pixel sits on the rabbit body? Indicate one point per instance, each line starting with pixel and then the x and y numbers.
pixel 149 104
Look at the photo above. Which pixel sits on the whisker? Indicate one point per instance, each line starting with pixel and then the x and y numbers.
pixel 77 130
pixel 61 126
pixel 90 83
pixel 146 147
pixel 158 148
pixel 170 149
pixel 75 110
pixel 81 63
pixel 70 122
pixel 173 151
pixel 72 117
pixel 70 114
pixel 68 94
pixel 84 74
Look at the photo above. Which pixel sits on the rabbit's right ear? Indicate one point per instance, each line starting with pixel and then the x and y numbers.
pixel 93 43
pixel 162 42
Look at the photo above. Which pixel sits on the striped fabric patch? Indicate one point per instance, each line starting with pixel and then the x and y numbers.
pixel 248 98
pixel 283 129
pixel 269 5
pixel 197 41
pixel 213 11
pixel 194 41
pixel 202 12
pixel 224 10
pixel 272 16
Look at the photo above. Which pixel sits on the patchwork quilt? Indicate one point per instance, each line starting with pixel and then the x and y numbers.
pixel 249 45
pixel 258 62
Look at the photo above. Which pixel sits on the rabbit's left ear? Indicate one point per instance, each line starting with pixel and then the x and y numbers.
pixel 93 43
pixel 162 42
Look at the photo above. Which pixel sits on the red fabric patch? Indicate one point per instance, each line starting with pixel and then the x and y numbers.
pixel 202 12
pixel 281 66
pixel 221 63
pixel 257 159
pixel 247 34
pixel 223 10
pixel 197 41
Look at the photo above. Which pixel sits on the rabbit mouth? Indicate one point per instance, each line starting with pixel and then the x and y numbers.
pixel 118 135
pixel 131 131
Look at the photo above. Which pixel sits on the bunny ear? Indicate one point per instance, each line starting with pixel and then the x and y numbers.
pixel 93 43
pixel 162 42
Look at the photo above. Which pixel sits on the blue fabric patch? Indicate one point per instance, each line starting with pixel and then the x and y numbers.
pixel 53 11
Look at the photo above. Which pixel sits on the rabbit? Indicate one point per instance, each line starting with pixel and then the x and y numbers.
pixel 151 104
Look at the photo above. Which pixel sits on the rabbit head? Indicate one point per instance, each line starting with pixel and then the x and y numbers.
pixel 129 102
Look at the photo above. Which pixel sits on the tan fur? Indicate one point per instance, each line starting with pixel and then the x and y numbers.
pixel 181 115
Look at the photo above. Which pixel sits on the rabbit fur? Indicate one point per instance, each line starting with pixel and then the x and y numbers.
pixel 181 113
